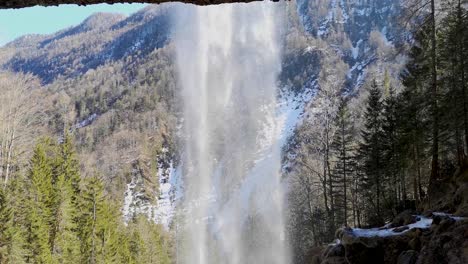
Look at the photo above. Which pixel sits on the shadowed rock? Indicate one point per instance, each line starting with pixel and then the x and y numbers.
pixel 27 3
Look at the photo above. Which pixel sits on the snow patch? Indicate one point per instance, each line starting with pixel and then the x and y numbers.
pixel 324 26
pixel 161 212
pixel 423 223
pixel 355 50
pixel 87 121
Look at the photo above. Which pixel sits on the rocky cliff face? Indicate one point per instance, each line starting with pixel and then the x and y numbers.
pixel 354 28
pixel 449 194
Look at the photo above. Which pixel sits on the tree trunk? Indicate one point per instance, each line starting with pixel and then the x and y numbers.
pixel 462 71
pixel 415 180
pixel 93 238
pixel 324 186
pixel 434 93
pixel 330 182
pixel 9 157
pixel 345 191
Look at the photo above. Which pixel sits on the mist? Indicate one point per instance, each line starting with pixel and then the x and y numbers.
pixel 228 59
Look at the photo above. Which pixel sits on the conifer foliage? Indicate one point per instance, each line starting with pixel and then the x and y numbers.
pixel 405 133
pixel 61 218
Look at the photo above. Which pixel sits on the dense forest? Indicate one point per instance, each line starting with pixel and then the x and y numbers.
pixel 76 129
pixel 366 160
pixel 53 215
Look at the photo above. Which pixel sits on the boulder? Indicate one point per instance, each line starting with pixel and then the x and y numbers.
pixel 444 242
pixel 400 229
pixel 337 250
pixel 408 257
pixel 405 218
pixel 358 252
pixel 449 244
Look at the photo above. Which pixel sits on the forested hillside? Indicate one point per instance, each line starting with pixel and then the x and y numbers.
pixel 90 128
pixel 393 145
pixel 109 83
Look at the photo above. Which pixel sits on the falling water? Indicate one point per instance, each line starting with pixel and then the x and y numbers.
pixel 228 58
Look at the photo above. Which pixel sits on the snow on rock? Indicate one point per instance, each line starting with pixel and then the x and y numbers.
pixel 355 50
pixel 344 11
pixel 162 211
pixel 456 218
pixel 325 25
pixel 87 121
pixel 422 222
pixel 290 109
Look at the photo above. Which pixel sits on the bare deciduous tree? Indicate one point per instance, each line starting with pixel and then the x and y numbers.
pixel 19 117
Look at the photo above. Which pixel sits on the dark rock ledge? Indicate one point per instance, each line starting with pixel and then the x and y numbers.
pixel 27 3
pixel 409 239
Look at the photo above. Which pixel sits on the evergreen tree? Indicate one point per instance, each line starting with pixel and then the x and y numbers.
pixel 451 58
pixel 19 204
pixel 41 204
pixel 414 121
pixel 90 201
pixel 113 245
pixel 390 136
pixel 68 165
pixel 5 228
pixel 343 148
pixel 370 156
pixel 65 244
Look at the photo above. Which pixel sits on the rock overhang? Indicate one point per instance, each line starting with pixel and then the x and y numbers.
pixel 6 4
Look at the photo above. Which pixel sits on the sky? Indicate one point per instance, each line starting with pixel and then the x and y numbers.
pixel 45 20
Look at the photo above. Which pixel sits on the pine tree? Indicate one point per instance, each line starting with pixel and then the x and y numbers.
pixel 453 103
pixel 66 243
pixel 19 204
pixel 67 188
pixel 434 90
pixel 41 204
pixel 113 246
pixel 5 228
pixel 390 136
pixel 343 148
pixel 68 165
pixel 413 111
pixel 90 201
pixel 370 156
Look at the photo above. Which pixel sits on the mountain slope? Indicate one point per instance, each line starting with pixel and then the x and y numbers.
pixel 112 81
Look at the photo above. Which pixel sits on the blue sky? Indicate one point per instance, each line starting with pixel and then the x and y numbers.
pixel 45 20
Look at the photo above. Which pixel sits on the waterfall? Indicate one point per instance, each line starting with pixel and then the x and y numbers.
pixel 228 59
